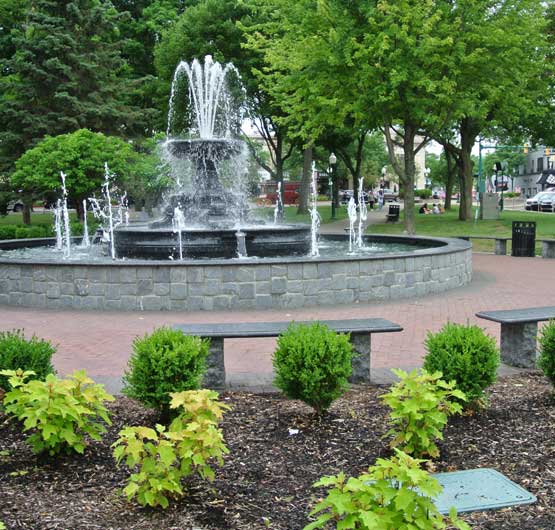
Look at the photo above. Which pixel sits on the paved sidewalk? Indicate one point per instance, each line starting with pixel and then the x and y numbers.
pixel 101 342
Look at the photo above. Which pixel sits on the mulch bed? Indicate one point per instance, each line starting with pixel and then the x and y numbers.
pixel 267 477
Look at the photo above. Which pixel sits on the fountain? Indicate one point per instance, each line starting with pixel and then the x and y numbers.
pixel 212 213
pixel 206 251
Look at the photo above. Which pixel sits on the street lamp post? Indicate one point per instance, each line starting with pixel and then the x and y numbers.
pixel 427 182
pixel 333 161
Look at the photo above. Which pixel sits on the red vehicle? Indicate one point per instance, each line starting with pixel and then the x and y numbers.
pixel 290 192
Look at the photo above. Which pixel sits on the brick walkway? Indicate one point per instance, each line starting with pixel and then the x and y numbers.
pixel 101 342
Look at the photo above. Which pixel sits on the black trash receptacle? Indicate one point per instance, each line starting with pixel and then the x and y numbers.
pixel 524 238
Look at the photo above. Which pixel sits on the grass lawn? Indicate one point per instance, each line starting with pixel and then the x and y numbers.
pixel 37 218
pixel 448 225
pixel 291 216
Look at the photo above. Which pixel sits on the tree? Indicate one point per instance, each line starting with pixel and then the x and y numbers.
pixel 81 156
pixel 500 76
pixel 141 25
pixel 336 64
pixel 64 74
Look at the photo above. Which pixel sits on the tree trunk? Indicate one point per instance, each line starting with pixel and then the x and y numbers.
pixel 27 208
pixel 468 133
pixel 304 189
pixel 408 179
pixel 451 173
pixel 80 210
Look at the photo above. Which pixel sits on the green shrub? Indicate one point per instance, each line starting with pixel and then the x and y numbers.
pixel 7 232
pixel 17 352
pixel 424 193
pixel 395 494
pixel 420 404
pixel 312 363
pixel 546 361
pixel 163 362
pixel 164 457
pixel 466 355
pixel 60 411
pixel 27 232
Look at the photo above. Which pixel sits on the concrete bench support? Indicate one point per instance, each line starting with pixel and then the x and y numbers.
pixel 501 247
pixel 360 332
pixel 519 330
pixel 518 344
pixel 548 248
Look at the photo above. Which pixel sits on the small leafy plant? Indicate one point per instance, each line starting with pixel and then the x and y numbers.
pixel 420 404
pixel 313 364
pixel 163 362
pixel 466 355
pixel 19 353
pixel 61 412
pixel 163 457
pixel 546 360
pixel 395 494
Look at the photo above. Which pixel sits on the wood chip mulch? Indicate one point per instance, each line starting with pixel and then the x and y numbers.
pixel 267 477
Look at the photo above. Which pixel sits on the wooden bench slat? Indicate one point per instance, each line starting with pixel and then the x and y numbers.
pixel 517 316
pixel 272 329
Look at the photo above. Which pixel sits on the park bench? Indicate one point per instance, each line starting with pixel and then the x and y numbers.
pixel 393 213
pixel 500 242
pixel 519 329
pixel 360 331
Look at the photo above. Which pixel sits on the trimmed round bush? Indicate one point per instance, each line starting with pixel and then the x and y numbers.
pixel 165 361
pixel 312 363
pixel 464 354
pixel 546 360
pixel 17 352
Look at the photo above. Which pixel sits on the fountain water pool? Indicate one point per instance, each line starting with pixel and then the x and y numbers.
pixel 432 265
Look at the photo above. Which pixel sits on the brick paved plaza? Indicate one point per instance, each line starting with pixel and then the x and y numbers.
pixel 101 342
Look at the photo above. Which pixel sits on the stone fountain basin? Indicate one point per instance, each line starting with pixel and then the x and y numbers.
pixel 435 265
pixel 143 242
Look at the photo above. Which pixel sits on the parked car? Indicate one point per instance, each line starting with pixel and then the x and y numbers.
pixel 532 203
pixel 390 195
pixel 15 206
pixel 547 202
pixel 290 192
pixel 345 196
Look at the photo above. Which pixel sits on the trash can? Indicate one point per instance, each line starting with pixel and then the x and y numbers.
pixel 524 238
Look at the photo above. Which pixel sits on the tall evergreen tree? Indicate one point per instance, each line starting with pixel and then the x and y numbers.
pixel 65 74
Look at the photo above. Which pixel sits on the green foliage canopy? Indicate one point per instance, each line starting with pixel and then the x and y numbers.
pixel 80 155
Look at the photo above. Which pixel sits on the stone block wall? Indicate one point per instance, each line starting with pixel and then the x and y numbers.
pixel 221 285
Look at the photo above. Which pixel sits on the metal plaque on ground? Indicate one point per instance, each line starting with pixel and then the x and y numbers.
pixel 479 489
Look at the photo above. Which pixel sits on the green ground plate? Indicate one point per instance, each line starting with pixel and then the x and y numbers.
pixel 479 489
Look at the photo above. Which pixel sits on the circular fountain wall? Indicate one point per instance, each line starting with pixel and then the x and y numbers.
pixel 433 266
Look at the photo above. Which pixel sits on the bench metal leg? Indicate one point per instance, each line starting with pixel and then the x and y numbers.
pixel 214 378
pixel 518 344
pixel 361 358
pixel 501 247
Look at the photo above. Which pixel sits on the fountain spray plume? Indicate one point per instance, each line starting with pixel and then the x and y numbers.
pixel 352 212
pixel 104 212
pixel 314 215
pixel 362 213
pixel 57 210
pixel 279 204
pixel 208 93
pixel 178 223
pixel 85 242
pixel 65 218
